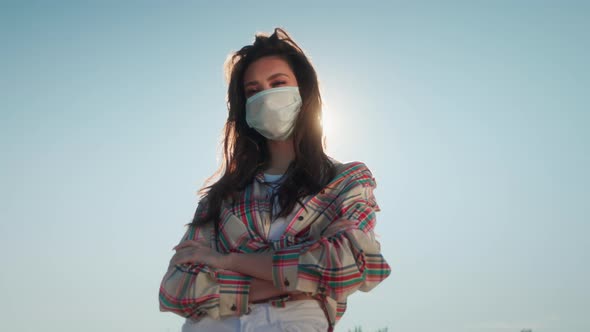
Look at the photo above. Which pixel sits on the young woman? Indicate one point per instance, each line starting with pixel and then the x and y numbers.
pixel 285 234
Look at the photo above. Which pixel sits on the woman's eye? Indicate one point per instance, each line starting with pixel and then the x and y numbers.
pixel 279 83
pixel 251 93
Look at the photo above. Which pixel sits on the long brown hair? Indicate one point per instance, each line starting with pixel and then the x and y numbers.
pixel 245 151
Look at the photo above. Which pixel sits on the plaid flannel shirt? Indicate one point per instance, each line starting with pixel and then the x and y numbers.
pixel 328 250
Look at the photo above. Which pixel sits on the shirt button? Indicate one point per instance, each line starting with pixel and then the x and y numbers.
pixel 300 218
pixel 233 308
pixel 287 282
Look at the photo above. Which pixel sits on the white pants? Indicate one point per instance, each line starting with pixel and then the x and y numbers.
pixel 296 316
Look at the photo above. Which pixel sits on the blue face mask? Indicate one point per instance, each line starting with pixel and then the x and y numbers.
pixel 273 112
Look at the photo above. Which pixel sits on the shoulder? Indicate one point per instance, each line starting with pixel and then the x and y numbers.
pixel 202 207
pixel 200 215
pixel 353 173
pixel 354 180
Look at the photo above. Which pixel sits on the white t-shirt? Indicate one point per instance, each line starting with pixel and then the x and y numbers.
pixel 278 226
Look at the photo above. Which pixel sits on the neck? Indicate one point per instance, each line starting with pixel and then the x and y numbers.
pixel 282 154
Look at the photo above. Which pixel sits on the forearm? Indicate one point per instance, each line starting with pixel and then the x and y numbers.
pixel 256 265
pixel 263 289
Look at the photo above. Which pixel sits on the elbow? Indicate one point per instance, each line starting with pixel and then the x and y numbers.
pixel 368 272
pixel 377 270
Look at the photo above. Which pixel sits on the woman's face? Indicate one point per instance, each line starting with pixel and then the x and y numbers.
pixel 267 72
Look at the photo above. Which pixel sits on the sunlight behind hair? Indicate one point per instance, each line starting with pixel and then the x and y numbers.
pixel 330 124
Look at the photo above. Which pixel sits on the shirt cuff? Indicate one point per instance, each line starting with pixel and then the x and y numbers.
pixel 288 275
pixel 285 268
pixel 234 291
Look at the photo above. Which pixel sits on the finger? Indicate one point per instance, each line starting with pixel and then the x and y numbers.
pixel 186 259
pixel 175 258
pixel 180 258
pixel 189 250
pixel 187 243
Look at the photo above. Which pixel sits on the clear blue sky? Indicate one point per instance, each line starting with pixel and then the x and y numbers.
pixel 472 115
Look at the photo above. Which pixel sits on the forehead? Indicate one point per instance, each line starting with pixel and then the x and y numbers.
pixel 266 66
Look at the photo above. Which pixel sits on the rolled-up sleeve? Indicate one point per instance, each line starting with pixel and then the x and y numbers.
pixel 346 257
pixel 196 290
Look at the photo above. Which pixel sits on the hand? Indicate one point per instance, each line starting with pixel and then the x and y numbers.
pixel 192 252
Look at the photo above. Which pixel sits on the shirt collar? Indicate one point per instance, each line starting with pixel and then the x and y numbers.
pixel 259 176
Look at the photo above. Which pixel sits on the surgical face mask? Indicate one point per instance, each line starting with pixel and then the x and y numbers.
pixel 272 112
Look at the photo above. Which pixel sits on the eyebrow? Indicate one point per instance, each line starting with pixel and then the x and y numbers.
pixel 271 77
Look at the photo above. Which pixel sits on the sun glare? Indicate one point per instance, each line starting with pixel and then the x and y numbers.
pixel 328 124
